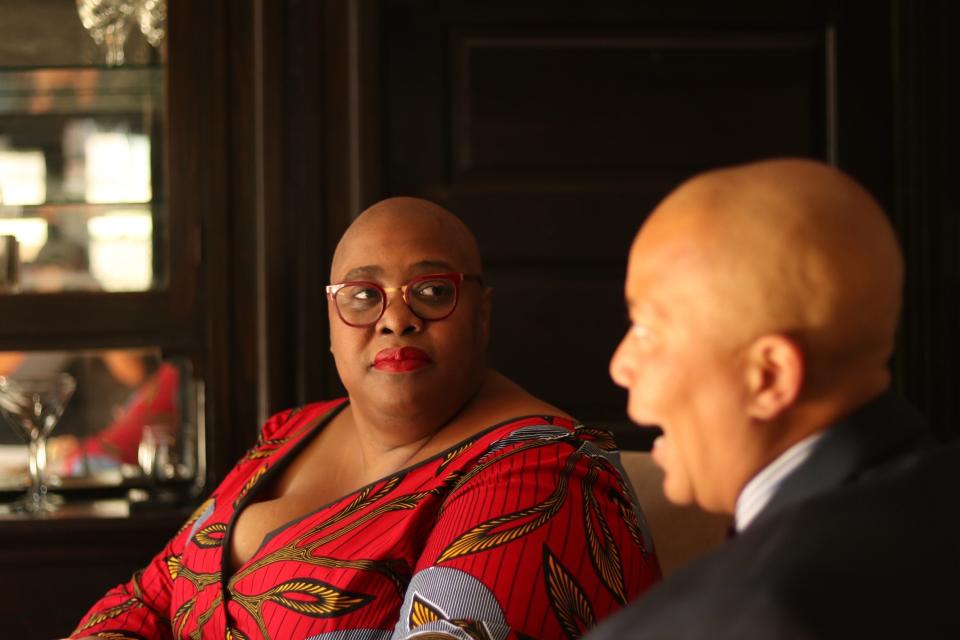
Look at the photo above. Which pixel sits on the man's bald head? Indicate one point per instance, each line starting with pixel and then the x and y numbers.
pixel 404 216
pixel 764 300
pixel 794 247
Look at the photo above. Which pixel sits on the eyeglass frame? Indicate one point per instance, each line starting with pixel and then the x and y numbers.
pixel 456 278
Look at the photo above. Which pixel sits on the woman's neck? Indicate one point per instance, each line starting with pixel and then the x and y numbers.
pixel 385 438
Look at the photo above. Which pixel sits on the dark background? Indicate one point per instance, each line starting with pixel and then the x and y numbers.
pixel 552 128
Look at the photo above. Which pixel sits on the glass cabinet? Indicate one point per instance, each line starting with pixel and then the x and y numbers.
pixel 93 280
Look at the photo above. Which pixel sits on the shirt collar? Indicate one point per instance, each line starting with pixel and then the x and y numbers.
pixel 757 493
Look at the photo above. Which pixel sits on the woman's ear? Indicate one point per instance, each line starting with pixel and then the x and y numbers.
pixel 774 375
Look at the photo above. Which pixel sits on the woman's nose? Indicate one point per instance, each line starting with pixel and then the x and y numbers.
pixel 398 318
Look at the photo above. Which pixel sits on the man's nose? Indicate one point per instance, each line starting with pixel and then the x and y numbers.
pixel 621 369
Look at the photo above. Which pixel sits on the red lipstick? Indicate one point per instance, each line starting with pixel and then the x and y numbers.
pixel 400 359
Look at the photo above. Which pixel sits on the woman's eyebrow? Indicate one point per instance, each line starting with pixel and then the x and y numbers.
pixel 365 272
pixel 433 265
pixel 370 272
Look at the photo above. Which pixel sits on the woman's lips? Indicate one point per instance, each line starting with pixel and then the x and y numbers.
pixel 400 359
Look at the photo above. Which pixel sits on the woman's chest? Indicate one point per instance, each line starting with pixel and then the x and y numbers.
pixel 342 566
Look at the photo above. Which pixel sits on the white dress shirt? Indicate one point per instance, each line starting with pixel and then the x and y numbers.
pixel 762 486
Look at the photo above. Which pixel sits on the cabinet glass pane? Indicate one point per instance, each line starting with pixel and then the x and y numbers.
pixel 82 198
pixel 131 420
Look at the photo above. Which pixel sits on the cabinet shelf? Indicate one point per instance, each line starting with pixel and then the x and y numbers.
pixel 81 90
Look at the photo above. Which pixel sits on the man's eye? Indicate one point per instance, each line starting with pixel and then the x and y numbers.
pixel 642 334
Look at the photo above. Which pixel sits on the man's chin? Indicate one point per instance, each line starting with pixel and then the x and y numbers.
pixel 675 487
pixel 680 496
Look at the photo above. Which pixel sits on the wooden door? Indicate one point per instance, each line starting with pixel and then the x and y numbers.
pixel 553 129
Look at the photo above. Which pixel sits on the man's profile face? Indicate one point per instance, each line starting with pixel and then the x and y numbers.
pixel 677 369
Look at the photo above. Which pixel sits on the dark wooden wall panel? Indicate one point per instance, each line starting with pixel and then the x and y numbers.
pixel 554 127
pixel 554 138
pixel 590 103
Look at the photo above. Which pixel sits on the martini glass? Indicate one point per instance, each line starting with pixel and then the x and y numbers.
pixel 33 406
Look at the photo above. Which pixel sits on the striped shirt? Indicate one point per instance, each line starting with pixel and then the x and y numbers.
pixel 762 486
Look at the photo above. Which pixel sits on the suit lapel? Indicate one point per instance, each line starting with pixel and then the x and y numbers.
pixel 852 445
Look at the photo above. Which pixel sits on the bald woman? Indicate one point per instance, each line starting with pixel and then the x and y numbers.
pixel 764 301
pixel 439 499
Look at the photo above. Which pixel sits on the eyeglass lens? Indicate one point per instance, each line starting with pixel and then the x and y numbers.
pixel 429 299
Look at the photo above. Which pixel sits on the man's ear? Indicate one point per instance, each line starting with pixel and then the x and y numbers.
pixel 774 375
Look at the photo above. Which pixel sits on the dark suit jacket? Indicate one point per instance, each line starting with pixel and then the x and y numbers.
pixel 861 541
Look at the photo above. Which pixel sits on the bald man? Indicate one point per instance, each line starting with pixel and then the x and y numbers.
pixel 764 300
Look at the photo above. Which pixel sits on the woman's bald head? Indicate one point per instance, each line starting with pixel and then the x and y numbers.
pixel 405 216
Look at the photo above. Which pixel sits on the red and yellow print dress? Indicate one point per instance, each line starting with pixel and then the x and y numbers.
pixel 525 530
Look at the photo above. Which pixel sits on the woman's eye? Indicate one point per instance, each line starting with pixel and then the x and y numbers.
pixel 434 291
pixel 365 294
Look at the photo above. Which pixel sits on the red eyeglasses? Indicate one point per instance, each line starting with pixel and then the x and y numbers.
pixel 431 297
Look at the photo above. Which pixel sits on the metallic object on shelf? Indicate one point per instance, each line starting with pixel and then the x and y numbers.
pixel 9 264
pixel 109 23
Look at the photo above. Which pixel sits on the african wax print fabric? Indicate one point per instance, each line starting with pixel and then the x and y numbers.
pixel 525 530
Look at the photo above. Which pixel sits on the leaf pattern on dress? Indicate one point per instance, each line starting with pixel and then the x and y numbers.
pixel 233 634
pixel 488 459
pixel 251 483
pixel 566 596
pixel 400 503
pixel 206 615
pixel 181 615
pixel 118 634
pixel 137 587
pixel 174 564
pixel 452 456
pixel 314 598
pixel 211 536
pixel 604 553
pixel 600 438
pixel 422 612
pixel 351 527
pixel 108 614
pixel 507 528
pixel 631 521
pixel 197 579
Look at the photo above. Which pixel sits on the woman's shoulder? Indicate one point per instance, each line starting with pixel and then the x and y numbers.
pixel 538 440
pixel 551 430
pixel 289 422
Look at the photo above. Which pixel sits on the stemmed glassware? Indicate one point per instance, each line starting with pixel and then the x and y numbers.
pixel 33 406
pixel 109 23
